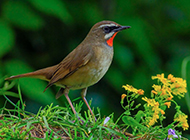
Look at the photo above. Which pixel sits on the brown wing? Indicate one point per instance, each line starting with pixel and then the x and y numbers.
pixel 72 62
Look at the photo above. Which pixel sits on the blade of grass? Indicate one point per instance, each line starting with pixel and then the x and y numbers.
pixel 45 122
pixel 9 93
pixel 20 96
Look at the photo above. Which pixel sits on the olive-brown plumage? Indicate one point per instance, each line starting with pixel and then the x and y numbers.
pixel 85 65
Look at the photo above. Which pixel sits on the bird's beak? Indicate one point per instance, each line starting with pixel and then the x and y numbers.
pixel 121 28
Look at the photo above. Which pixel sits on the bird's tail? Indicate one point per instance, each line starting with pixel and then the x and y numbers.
pixel 44 74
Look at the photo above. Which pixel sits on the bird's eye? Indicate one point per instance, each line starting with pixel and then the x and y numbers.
pixel 106 29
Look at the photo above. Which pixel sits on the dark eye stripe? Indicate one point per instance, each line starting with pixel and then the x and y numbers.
pixel 108 29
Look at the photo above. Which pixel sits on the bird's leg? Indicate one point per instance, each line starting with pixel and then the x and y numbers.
pixel 83 95
pixel 66 92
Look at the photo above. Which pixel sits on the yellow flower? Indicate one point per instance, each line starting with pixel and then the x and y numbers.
pixel 153 119
pixel 180 91
pixel 140 92
pixel 163 91
pixel 169 98
pixel 153 91
pixel 168 91
pixel 156 87
pixel 151 102
pixel 123 96
pixel 156 110
pixel 185 126
pixel 158 76
pixel 134 90
pixel 162 112
pixel 171 78
pixel 179 87
pixel 168 104
pixel 182 118
pixel 182 82
pixel 165 81
pixel 130 88
pixel 171 85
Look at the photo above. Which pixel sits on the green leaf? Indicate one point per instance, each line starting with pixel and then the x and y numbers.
pixel 7 38
pixel 53 7
pixel 20 14
pixel 139 115
pixel 32 88
pixel 132 122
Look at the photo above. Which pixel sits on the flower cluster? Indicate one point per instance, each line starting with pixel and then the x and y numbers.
pixel 133 93
pixel 169 86
pixel 164 93
pixel 182 119
pixel 162 97
pixel 153 111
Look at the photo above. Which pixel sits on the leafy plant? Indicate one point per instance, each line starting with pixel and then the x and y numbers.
pixel 148 123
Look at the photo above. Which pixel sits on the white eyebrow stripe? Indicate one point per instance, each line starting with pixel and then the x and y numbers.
pixel 103 25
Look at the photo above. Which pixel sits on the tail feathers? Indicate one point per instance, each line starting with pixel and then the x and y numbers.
pixel 44 74
pixel 31 74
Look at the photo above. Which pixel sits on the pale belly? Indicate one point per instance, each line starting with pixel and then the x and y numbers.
pixel 84 77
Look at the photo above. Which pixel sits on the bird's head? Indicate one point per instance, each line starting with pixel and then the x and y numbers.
pixel 105 31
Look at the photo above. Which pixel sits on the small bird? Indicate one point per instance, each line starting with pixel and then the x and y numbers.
pixel 84 66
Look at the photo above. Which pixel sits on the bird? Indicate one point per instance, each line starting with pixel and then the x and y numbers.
pixel 84 66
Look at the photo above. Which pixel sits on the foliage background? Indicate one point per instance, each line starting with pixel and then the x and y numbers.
pixel 36 33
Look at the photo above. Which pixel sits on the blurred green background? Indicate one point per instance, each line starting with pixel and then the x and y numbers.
pixel 37 33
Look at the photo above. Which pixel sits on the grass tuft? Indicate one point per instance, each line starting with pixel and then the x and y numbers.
pixel 55 122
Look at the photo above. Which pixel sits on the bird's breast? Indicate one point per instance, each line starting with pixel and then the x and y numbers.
pixel 100 62
pixel 93 71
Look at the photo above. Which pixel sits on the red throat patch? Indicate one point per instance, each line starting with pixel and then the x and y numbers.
pixel 110 41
